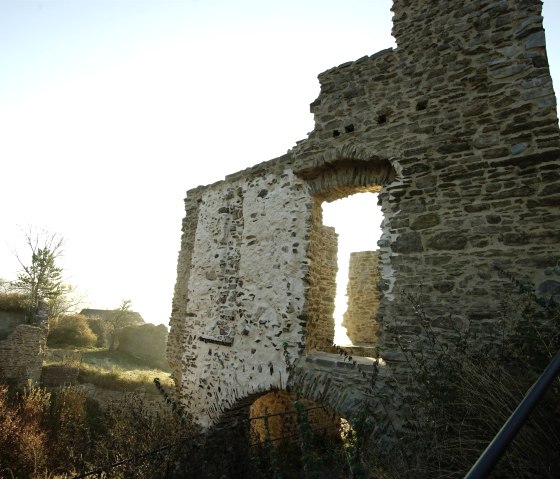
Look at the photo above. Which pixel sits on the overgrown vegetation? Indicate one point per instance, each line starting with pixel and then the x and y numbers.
pixel 464 390
pixel 461 392
pixel 48 435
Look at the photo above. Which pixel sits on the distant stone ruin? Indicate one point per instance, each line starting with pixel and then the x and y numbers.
pixel 457 131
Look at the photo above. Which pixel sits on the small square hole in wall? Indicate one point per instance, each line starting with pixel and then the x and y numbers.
pixel 335 133
pixel 381 119
pixel 421 105
pixel 349 128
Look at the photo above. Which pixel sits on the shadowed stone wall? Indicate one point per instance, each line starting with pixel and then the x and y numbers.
pixel 456 129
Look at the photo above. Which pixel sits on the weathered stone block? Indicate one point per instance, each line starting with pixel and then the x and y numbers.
pixel 447 240
pixel 423 222
pixel 408 243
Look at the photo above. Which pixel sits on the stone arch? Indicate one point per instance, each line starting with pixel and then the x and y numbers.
pixel 282 421
pixel 335 176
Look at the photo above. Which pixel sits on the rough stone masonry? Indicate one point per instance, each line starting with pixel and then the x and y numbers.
pixel 457 131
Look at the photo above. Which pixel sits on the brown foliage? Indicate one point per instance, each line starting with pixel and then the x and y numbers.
pixel 71 330
pixel 13 302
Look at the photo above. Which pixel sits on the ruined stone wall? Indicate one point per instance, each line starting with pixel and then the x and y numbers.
pixel 58 375
pixel 465 112
pixel 21 354
pixel 178 323
pixel 457 131
pixel 322 280
pixel 363 298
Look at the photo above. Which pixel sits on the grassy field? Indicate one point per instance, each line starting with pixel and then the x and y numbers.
pixel 113 370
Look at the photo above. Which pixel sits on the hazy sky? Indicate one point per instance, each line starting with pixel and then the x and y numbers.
pixel 110 110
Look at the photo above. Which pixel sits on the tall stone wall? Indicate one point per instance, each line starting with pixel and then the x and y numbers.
pixel 363 298
pixel 456 129
pixel 465 112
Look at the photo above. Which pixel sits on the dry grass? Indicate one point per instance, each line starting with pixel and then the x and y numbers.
pixel 117 379
pixel 111 370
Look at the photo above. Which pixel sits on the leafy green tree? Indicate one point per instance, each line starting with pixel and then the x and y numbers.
pixel 41 279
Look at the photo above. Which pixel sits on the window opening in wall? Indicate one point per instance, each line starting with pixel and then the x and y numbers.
pixel 357 221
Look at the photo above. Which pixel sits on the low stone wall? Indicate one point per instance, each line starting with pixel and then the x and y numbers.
pixel 57 375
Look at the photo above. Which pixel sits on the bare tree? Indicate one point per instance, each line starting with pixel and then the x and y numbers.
pixel 68 302
pixel 118 319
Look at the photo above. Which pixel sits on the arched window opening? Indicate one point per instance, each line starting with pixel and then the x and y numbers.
pixel 329 183
pixel 357 221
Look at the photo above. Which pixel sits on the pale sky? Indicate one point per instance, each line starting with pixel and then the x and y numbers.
pixel 110 110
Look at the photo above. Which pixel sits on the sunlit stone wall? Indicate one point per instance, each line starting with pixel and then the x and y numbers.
pixel 363 298
pixel 322 280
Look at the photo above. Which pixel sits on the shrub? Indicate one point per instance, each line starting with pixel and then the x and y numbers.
pixel 13 302
pixel 58 436
pixel 71 330
pixel 23 439
pixel 99 328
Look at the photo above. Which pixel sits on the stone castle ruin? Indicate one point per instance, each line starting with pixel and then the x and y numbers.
pixel 456 130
